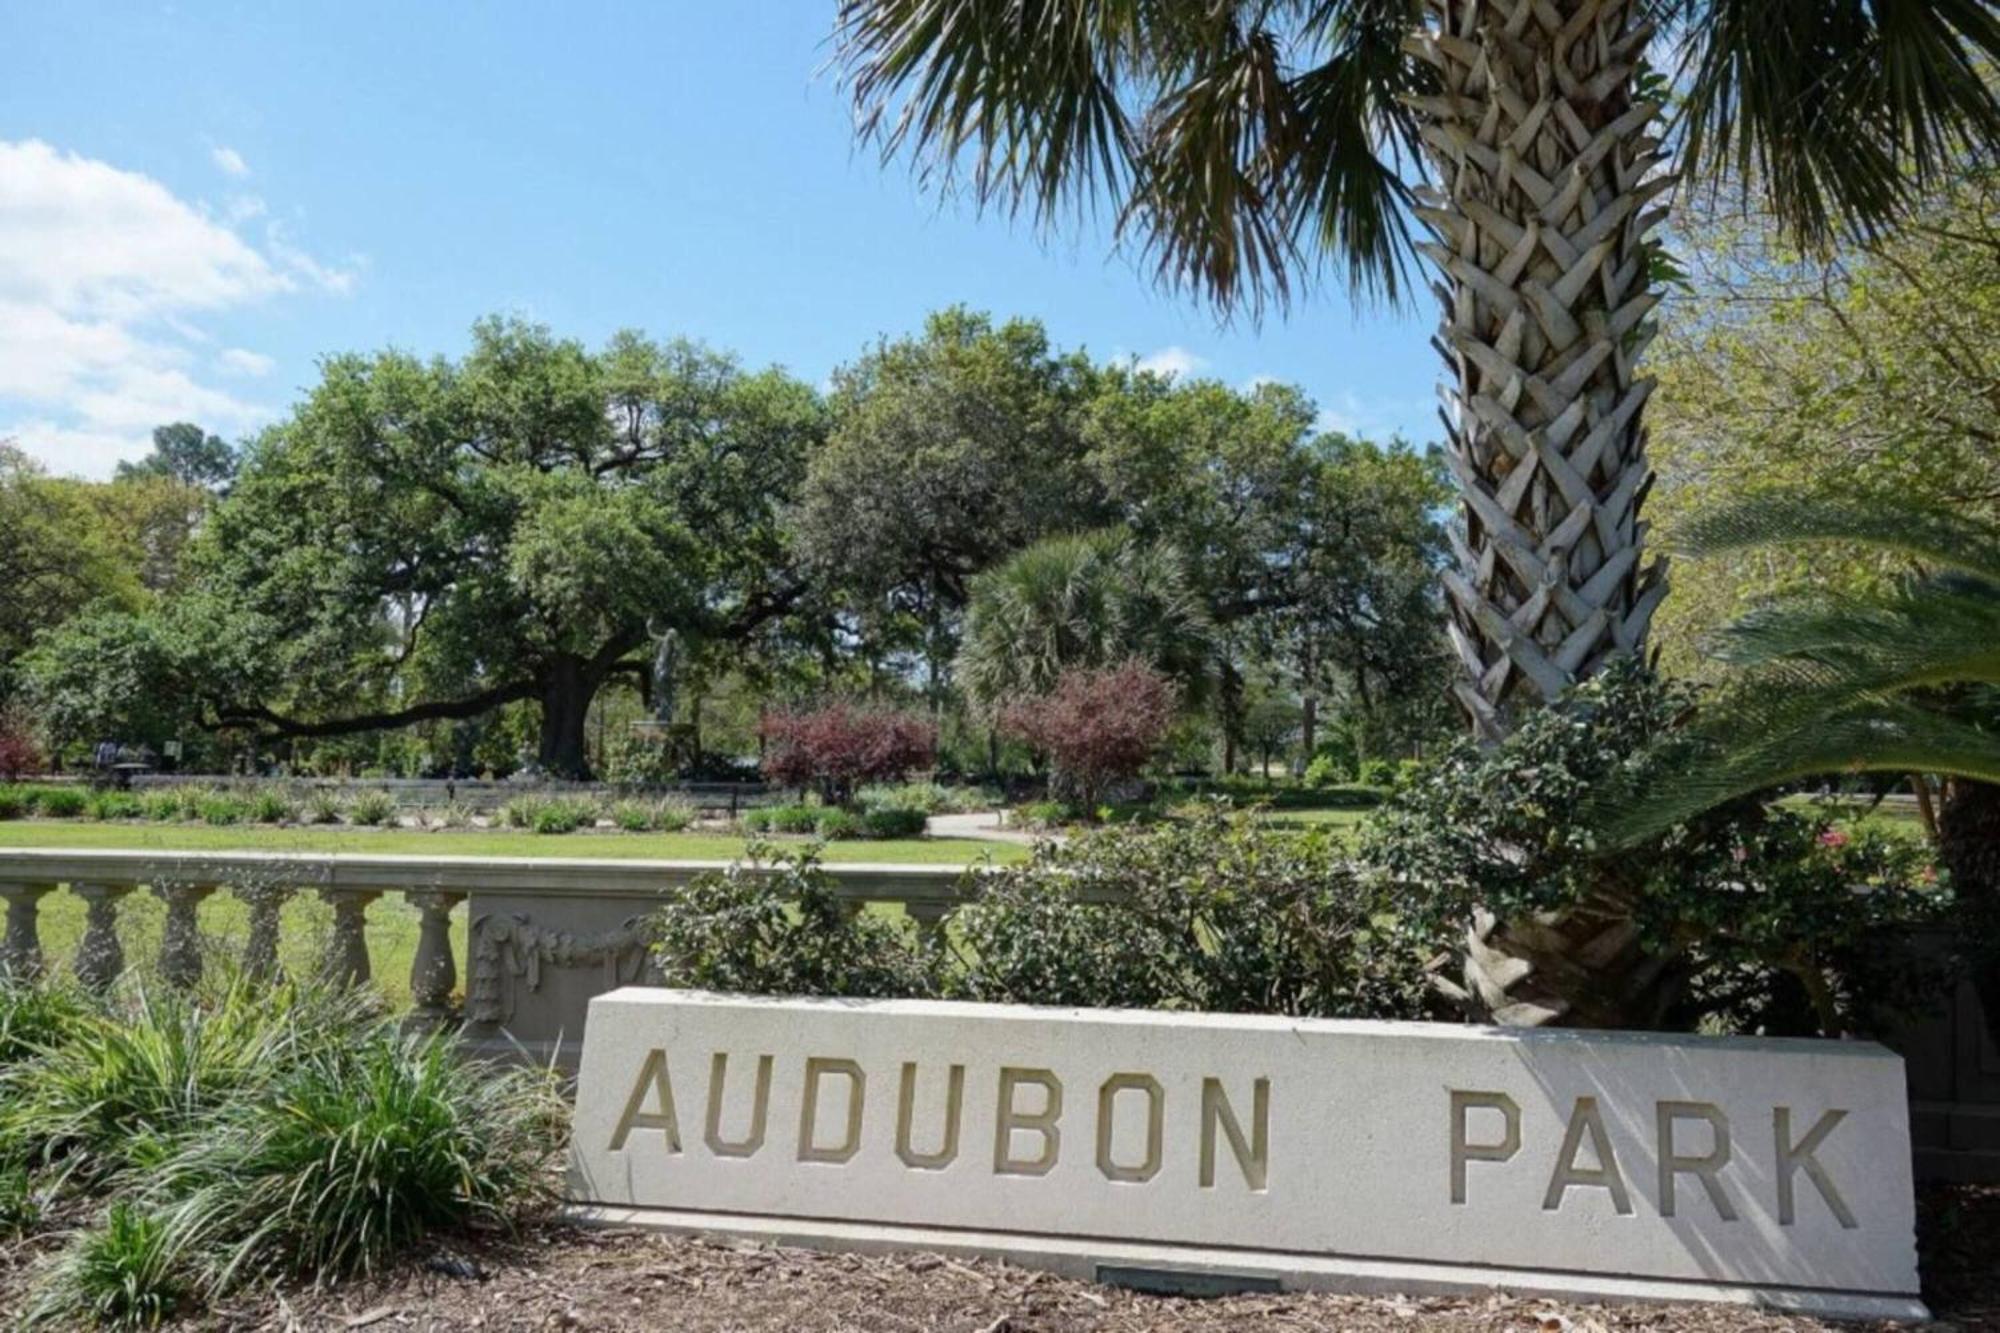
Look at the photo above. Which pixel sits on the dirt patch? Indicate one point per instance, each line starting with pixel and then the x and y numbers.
pixel 559 1277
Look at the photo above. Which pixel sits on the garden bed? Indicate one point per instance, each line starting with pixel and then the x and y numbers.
pixel 559 1277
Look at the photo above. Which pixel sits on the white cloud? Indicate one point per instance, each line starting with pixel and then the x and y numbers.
pixel 243 361
pixel 105 277
pixel 229 161
pixel 1175 360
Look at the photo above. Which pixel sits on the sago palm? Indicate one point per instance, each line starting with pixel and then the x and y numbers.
pixel 1242 144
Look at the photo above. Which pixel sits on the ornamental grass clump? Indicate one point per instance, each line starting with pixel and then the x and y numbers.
pixel 371 809
pixel 128 1271
pixel 60 802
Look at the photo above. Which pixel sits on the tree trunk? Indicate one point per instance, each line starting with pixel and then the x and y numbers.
pixel 567 687
pixel 1547 170
pixel 1969 847
pixel 1308 728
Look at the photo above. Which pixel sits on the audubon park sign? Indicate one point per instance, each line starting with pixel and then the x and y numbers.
pixel 1260 1151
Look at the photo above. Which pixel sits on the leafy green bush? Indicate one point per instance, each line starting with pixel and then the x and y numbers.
pixel 13 802
pixel 188 800
pixel 1327 771
pixel 933 798
pixel 271 806
pixel 1377 773
pixel 779 928
pixel 322 806
pixel 519 811
pixel 894 822
pixel 372 808
pixel 562 814
pixel 113 805
pixel 33 1016
pixel 673 814
pixel 782 819
pixel 127 1272
pixel 839 825
pixel 1769 920
pixel 60 802
pixel 632 816
pixel 1212 914
pixel 1043 814
pixel 221 807
pixel 160 806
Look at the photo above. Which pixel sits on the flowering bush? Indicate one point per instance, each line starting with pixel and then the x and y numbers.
pixel 19 754
pixel 836 748
pixel 1096 726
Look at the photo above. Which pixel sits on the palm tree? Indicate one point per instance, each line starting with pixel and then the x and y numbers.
pixel 1242 143
pixel 1090 600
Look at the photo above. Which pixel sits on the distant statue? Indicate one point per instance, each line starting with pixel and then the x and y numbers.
pixel 666 663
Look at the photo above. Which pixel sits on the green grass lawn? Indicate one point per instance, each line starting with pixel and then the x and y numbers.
pixel 392 923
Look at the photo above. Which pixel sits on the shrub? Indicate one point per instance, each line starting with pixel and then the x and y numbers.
pixel 1326 771
pixel 836 748
pixel 1377 773
pixel 632 816
pixel 13 803
pixel 160 806
pixel 932 798
pixel 358 1147
pixel 672 814
pixel 60 802
pixel 779 928
pixel 782 818
pixel 452 814
pixel 322 806
pixel 221 807
pixel 1097 727
pixel 20 755
pixel 561 814
pixel 34 1016
pixel 373 808
pixel 891 822
pixel 1212 914
pixel 113 805
pixel 129 1271
pixel 271 806
pixel 519 811
pixel 1043 814
pixel 188 802
pixel 1765 925
pixel 836 824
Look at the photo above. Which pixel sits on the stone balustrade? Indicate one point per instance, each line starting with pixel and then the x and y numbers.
pixel 543 934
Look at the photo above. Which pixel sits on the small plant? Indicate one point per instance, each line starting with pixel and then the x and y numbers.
pixel 271 806
pixel 520 812
pixel 837 825
pixel 1043 814
pixel 322 806
pixel 452 814
pixel 33 1016
pixel 127 1272
pixel 371 809
pixel 20 1206
pixel 674 814
pixel 794 818
pixel 13 803
pixel 222 808
pixel 633 816
pixel 891 822
pixel 557 817
pixel 61 802
pixel 188 801
pixel 113 805
pixel 160 806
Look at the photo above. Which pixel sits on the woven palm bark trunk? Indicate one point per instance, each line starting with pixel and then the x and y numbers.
pixel 1548 170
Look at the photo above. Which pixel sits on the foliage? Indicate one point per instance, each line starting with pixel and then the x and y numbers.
pixel 106 805
pixel 34 1016
pixel 111 675
pixel 127 1272
pixel 1088 601
pixel 221 807
pixel 835 748
pixel 322 806
pixel 20 1206
pixel 632 816
pixel 187 454
pixel 1745 892
pixel 60 802
pixel 888 821
pixel 20 753
pixel 930 797
pixel 777 927
pixel 1096 726
pixel 837 824
pixel 13 802
pixel 371 808
pixel 271 806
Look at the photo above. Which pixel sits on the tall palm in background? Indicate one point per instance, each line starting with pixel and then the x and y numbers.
pixel 1241 144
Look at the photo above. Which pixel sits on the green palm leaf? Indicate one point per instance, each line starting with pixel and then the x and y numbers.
pixel 1937 537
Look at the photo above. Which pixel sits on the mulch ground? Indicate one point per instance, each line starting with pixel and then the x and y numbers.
pixel 623 1281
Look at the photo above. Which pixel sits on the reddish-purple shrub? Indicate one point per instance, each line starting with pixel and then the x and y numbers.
pixel 1097 726
pixel 835 748
pixel 19 753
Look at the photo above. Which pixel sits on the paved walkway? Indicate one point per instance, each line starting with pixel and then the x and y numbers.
pixel 983 825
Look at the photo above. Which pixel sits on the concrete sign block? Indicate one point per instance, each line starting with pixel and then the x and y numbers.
pixel 1326 1154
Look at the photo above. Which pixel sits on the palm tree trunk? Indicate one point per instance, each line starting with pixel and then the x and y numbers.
pixel 1548 170
pixel 1969 847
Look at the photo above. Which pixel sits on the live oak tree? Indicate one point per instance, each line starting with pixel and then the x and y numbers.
pixel 424 540
pixel 1243 144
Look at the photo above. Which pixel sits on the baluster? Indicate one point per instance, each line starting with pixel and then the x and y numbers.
pixel 180 946
pixel 21 947
pixel 433 972
pixel 929 917
pixel 347 951
pixel 101 958
pixel 260 952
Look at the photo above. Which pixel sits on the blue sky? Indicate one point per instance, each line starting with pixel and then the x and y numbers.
pixel 198 200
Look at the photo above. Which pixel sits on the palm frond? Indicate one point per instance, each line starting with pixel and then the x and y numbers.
pixel 1939 537
pixel 1840 110
pixel 1928 632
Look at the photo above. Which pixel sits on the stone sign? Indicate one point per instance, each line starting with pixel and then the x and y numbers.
pixel 1322 1154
